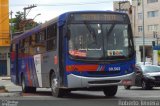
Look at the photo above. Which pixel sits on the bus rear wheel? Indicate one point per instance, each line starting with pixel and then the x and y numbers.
pixel 110 91
pixel 26 89
pixel 56 91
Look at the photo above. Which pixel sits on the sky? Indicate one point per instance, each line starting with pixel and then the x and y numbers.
pixel 52 8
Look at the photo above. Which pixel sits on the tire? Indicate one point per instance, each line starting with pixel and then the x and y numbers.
pixel 56 91
pixel 26 89
pixel 145 86
pixel 110 91
pixel 127 87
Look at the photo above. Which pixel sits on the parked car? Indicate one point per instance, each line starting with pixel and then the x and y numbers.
pixel 147 76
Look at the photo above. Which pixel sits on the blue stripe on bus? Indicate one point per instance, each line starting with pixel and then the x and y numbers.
pixel 126 68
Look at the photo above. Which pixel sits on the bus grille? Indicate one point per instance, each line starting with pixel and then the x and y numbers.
pixel 104 73
pixel 104 81
pixel 157 78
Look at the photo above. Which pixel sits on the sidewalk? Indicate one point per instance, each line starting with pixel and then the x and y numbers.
pixel 5 78
pixel 10 90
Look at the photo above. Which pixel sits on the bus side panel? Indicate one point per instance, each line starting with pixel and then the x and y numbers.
pixel 13 67
pixel 26 66
pixel 49 63
pixel 32 67
pixel 24 69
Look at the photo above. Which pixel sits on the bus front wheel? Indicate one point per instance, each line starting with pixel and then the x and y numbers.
pixel 56 91
pixel 110 91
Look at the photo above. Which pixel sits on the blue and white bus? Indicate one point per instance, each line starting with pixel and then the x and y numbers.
pixel 76 50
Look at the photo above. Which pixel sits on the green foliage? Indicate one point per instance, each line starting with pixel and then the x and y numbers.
pixel 19 18
pixel 158 52
pixel 19 23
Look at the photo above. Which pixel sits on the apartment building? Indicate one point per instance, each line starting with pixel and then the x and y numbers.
pixel 151 28
pixel 151 25
pixel 4 38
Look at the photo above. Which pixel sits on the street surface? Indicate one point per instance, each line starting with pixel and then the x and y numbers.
pixel 45 93
pixel 87 97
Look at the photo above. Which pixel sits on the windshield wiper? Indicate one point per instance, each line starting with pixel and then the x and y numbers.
pixel 91 31
pixel 110 30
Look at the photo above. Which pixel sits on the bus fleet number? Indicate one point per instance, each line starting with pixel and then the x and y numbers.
pixel 114 68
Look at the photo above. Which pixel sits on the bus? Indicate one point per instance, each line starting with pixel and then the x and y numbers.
pixel 77 50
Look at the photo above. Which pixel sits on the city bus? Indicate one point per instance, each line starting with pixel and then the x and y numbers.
pixel 79 50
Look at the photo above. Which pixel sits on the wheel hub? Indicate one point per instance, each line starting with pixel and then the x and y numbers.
pixel 54 84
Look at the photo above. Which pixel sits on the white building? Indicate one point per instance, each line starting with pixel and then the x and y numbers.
pixel 151 25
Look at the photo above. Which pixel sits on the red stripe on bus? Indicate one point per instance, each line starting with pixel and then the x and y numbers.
pixel 29 75
pixel 81 68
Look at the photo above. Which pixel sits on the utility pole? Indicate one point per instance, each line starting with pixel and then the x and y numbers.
pixel 25 15
pixel 155 35
pixel 11 26
pixel 144 57
pixel 121 2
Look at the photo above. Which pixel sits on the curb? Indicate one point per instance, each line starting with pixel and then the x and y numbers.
pixel 5 78
pixel 10 94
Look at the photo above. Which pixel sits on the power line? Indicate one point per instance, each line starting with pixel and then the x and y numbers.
pixel 27 8
pixel 66 4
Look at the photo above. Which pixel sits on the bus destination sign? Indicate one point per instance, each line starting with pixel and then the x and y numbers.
pixel 98 17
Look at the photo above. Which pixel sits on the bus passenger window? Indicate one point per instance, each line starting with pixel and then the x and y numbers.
pixel 32 45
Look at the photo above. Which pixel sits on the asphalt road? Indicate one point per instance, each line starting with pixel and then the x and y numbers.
pixel 135 96
pixel 133 93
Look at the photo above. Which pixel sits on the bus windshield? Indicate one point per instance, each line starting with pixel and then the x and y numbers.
pixel 100 40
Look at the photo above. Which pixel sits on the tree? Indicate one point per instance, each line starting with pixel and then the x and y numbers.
pixel 20 23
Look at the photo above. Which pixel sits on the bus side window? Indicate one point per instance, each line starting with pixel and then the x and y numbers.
pixel 52 37
pixel 32 45
pixel 40 41
pixel 26 45
pixel 21 46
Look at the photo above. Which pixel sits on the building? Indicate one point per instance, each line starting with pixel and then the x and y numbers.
pixel 151 24
pixel 4 38
pixel 151 28
pixel 123 6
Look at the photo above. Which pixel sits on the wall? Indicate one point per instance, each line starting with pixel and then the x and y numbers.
pixel 4 23
pixel 4 31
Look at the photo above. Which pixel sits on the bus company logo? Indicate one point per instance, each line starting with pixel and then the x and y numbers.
pixel 9 103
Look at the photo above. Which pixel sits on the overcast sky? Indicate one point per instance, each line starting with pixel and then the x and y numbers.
pixel 52 8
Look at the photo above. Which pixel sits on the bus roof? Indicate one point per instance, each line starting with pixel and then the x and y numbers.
pixel 60 20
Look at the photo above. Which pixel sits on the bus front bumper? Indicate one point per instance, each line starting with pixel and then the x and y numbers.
pixel 75 81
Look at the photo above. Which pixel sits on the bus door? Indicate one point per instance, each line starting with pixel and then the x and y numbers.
pixel 16 66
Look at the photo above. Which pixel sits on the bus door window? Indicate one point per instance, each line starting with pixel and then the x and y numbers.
pixel 52 37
